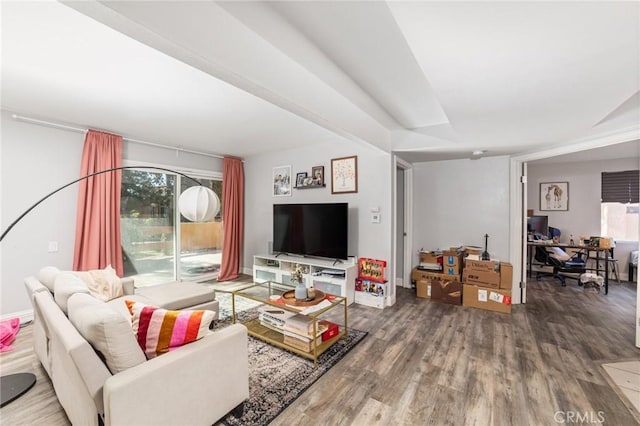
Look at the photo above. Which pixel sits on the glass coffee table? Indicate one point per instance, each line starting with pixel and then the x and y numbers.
pixel 289 324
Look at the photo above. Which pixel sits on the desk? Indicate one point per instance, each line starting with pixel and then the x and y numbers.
pixel 587 249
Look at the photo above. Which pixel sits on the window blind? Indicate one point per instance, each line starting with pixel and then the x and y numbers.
pixel 620 187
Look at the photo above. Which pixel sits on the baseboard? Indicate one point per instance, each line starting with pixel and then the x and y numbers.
pixel 247 271
pixel 25 316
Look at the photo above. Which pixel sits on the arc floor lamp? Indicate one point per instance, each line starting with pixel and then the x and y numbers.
pixel 197 203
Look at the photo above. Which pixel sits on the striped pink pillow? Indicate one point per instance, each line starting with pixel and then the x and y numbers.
pixel 159 331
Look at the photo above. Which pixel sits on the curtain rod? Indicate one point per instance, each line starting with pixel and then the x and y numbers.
pixel 83 130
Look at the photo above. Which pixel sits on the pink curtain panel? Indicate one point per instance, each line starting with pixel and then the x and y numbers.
pixel 98 221
pixel 233 217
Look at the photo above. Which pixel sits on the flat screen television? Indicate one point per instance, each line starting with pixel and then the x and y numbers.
pixel 319 230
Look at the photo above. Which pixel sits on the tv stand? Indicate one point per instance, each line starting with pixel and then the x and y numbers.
pixel 330 276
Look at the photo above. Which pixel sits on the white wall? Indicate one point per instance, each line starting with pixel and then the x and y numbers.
pixel 35 161
pixel 583 216
pixel 366 239
pixel 457 202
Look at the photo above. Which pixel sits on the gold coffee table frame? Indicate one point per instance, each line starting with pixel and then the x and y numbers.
pixel 260 292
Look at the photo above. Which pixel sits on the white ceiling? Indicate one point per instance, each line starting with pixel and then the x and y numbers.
pixel 429 80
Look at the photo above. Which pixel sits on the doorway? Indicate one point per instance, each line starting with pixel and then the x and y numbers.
pixel 582 190
pixel 402 226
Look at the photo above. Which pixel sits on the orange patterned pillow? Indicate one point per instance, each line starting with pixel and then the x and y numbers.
pixel 159 331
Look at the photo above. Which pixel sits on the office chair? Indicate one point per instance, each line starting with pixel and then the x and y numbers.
pixel 573 265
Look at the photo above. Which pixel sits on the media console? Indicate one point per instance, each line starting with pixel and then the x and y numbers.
pixel 322 274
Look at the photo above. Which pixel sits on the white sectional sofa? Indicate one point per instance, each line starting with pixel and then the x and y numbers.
pixel 101 375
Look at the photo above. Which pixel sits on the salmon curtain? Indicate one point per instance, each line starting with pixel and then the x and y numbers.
pixel 232 217
pixel 98 241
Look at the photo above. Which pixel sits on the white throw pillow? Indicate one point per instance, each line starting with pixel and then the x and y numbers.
pixel 103 284
pixel 47 276
pixel 107 331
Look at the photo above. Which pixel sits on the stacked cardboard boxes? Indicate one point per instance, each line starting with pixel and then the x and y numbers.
pixel 487 285
pixel 464 279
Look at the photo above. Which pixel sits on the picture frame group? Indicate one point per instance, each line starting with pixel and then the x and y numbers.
pixel 315 179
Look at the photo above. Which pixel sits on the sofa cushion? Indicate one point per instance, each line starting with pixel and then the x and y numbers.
pixel 178 295
pixel 66 285
pixel 159 331
pixel 106 330
pixel 103 284
pixel 47 276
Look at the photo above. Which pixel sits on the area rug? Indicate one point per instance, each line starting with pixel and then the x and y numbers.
pixel 278 377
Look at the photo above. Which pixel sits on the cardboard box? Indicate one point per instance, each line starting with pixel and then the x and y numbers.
pixel 447 290
pixel 370 299
pixel 452 270
pixel 482 278
pixel 506 275
pixel 490 299
pixel 423 274
pixel 430 257
pixel 423 289
pixel 482 265
pixel 332 330
pixel 451 258
pixel 473 250
pixel 371 269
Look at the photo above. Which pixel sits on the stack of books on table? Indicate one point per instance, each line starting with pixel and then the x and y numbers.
pixel 274 318
pixel 298 332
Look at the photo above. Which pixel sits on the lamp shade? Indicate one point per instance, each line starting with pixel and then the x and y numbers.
pixel 199 204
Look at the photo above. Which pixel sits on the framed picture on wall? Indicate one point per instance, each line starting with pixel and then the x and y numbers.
pixel 281 181
pixel 300 177
pixel 344 175
pixel 554 196
pixel 317 173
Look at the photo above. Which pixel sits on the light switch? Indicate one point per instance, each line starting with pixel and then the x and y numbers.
pixel 375 217
pixel 53 246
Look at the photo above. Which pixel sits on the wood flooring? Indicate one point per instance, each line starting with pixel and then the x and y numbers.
pixel 427 363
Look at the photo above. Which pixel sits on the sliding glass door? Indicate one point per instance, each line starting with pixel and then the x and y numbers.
pixel 160 245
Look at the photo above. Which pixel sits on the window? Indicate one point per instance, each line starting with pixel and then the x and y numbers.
pixel 155 249
pixel 619 205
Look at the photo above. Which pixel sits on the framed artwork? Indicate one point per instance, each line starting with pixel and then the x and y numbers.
pixel 282 181
pixel 344 175
pixel 300 178
pixel 317 173
pixel 554 196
